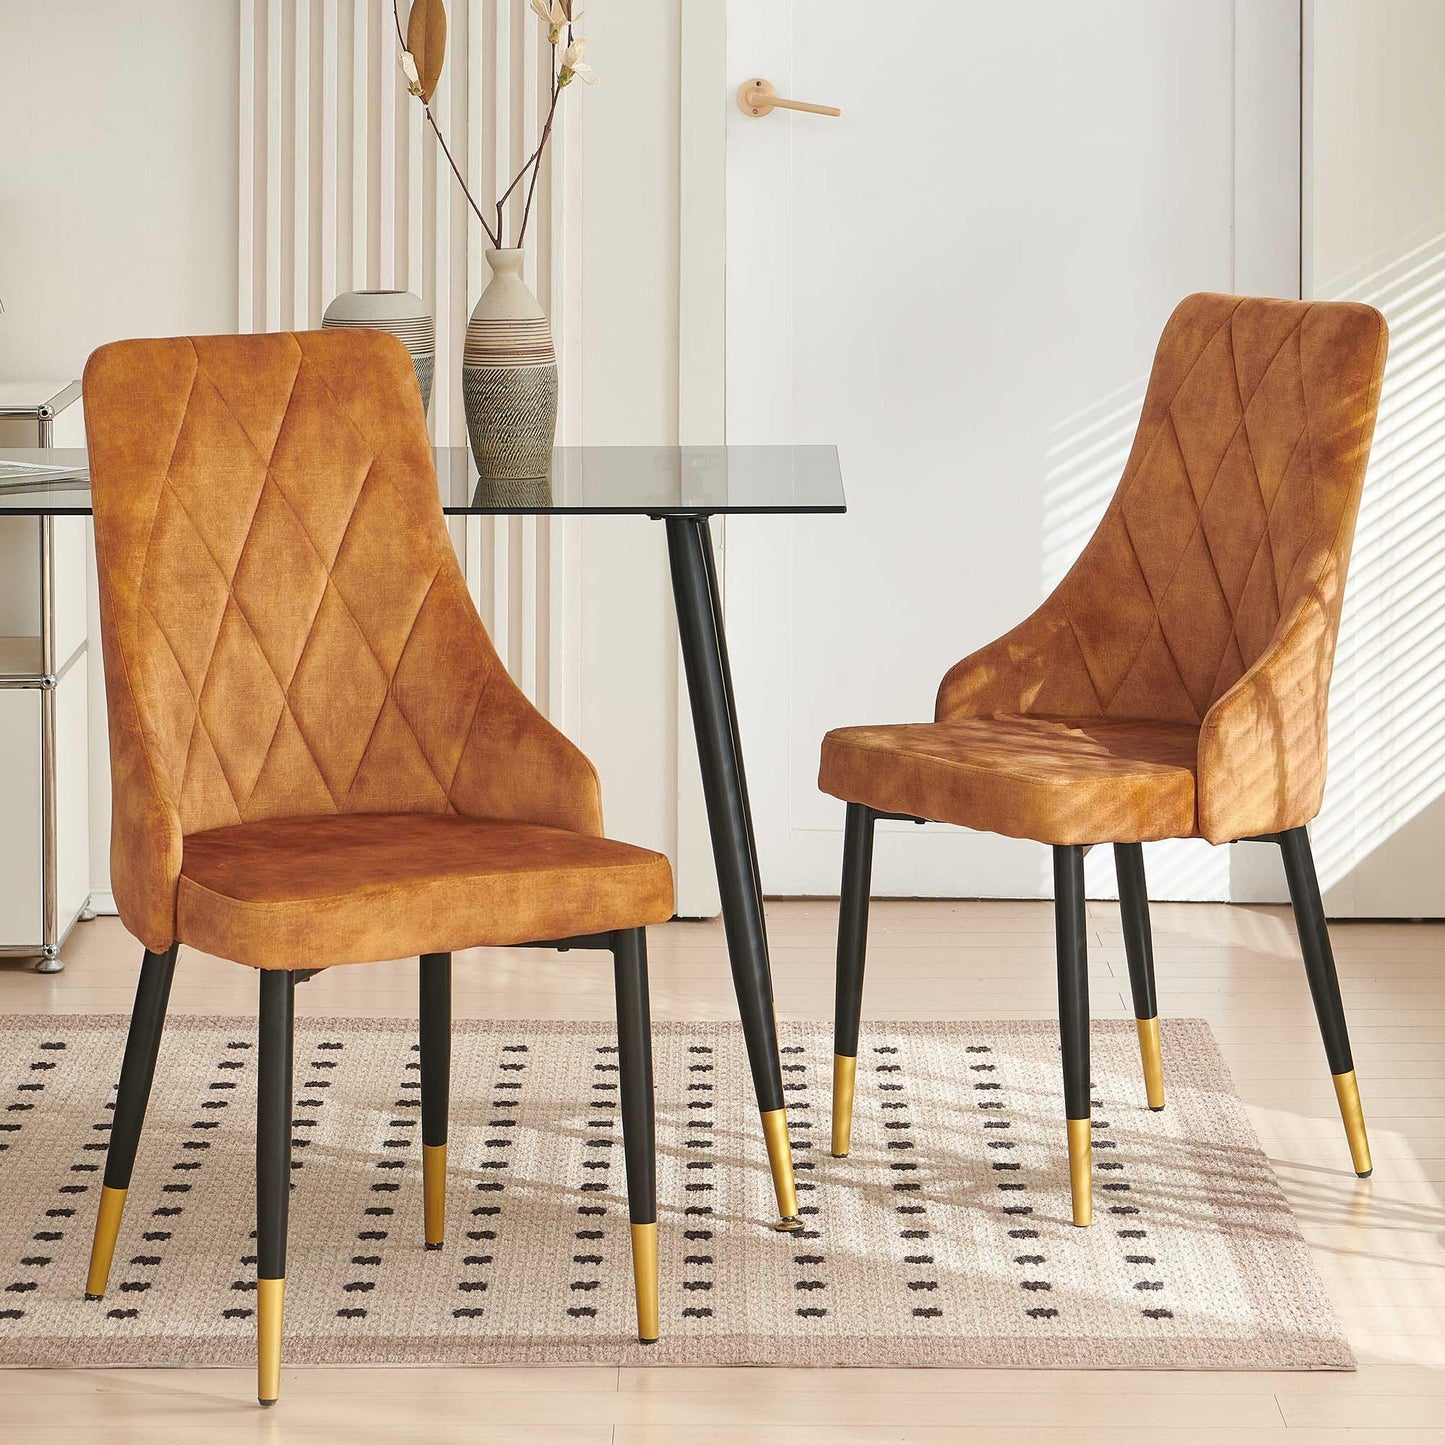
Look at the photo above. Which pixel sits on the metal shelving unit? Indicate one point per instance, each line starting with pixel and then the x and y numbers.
pixel 32 663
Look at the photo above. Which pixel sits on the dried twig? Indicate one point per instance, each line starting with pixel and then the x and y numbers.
pixel 421 86
pixel 493 237
pixel 537 162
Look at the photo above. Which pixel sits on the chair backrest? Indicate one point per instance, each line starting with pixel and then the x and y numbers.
pixel 285 626
pixel 1236 510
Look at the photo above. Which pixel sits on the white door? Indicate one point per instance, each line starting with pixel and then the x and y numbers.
pixel 961 282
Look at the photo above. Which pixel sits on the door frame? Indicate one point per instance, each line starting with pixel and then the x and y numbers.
pixel 702 372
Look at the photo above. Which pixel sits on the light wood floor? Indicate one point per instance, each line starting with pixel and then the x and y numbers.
pixel 1380 1244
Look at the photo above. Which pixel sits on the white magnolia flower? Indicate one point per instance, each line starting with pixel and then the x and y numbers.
pixel 574 65
pixel 556 15
pixel 413 76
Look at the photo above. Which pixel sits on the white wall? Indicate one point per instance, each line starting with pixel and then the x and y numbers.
pixel 622 228
pixel 117 176
pixel 1376 232
pixel 117 208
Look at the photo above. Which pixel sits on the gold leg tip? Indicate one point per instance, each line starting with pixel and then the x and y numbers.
pixel 780 1161
pixel 1347 1091
pixel 265 1404
pixel 270 1303
pixel 434 1194
pixel 845 1073
pixel 788 1224
pixel 102 1249
pixel 1152 1058
pixel 644 1280
pixel 1081 1161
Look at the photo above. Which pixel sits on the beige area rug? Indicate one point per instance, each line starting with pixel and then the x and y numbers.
pixel 943 1240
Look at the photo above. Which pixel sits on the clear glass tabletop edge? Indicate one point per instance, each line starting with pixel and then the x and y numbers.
pixel 649 481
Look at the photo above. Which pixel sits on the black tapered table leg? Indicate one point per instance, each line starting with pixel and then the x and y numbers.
pixel 1139 949
pixel 714 716
pixel 1070 930
pixel 720 640
pixel 273 1171
pixel 852 947
pixel 142 1044
pixel 436 1065
pixel 1319 957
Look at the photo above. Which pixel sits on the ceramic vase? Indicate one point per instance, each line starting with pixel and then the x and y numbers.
pixel 401 313
pixel 509 377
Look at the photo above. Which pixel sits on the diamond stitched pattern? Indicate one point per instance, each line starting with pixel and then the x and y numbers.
pixel 1198 549
pixel 281 590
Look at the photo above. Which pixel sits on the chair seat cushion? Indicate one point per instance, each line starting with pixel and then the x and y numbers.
pixel 357 887
pixel 1056 780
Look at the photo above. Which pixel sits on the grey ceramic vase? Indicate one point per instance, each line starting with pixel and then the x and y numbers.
pixel 509 377
pixel 402 314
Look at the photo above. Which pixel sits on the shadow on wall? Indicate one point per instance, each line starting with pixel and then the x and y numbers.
pixel 1381 832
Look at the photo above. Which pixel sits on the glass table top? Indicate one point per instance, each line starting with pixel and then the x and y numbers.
pixel 644 481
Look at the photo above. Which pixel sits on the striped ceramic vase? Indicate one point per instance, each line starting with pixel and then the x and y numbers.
pixel 402 314
pixel 509 377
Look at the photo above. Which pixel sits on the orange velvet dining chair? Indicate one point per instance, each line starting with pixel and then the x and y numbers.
pixel 317 756
pixel 1173 685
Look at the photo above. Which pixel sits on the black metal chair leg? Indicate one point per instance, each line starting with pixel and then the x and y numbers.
pixel 436 1064
pixel 1139 947
pixel 709 684
pixel 147 1019
pixel 852 947
pixel 1070 933
pixel 634 1056
pixel 273 1171
pixel 1314 937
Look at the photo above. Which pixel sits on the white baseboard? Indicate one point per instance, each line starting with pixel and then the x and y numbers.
pixel 102 900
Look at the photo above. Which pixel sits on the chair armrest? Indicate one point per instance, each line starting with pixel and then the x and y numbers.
pixel 1262 744
pixel 516 765
pixel 145 829
pixel 1035 668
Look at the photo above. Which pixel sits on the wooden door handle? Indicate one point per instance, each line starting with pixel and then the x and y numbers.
pixel 759 97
